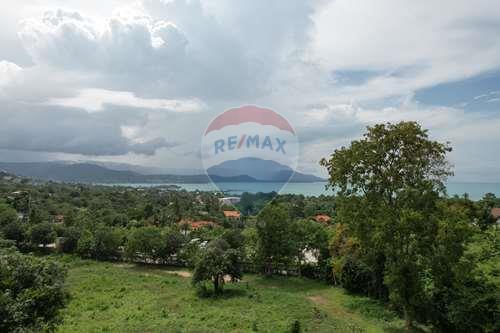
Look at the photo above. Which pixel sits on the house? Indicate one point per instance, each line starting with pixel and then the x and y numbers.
pixel 232 214
pixel 59 219
pixel 229 200
pixel 495 213
pixel 198 224
pixel 322 218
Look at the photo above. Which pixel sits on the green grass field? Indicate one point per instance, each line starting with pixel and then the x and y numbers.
pixel 114 297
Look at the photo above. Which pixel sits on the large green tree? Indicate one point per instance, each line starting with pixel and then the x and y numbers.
pixel 218 260
pixel 144 243
pixel 42 233
pixel 388 185
pixel 7 214
pixel 276 244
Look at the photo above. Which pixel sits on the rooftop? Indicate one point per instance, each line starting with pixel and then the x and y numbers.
pixel 232 213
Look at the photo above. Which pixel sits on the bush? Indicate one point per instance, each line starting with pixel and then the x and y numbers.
pixel 355 276
pixel 473 305
pixel 295 327
pixel 31 292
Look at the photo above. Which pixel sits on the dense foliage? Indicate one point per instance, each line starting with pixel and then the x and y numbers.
pixel 31 292
pixel 397 239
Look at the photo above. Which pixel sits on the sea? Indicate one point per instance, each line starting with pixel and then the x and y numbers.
pixel 475 191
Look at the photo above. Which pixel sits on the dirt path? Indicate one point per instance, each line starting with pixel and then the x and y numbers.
pixel 332 307
pixel 157 272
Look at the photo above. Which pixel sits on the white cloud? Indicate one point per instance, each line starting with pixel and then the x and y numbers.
pixel 123 43
pixel 414 44
pixel 8 72
pixel 112 69
pixel 94 100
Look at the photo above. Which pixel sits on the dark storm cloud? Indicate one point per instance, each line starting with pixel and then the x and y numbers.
pixel 70 130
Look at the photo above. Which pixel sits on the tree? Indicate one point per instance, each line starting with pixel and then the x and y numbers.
pixel 276 242
pixel 31 292
pixel 7 214
pixel 172 242
pixel 485 205
pixel 107 242
pixel 71 235
pixel 217 261
pixel 86 244
pixel 388 185
pixel 14 231
pixel 38 215
pixel 144 243
pixel 42 233
pixel 310 237
pixel 101 243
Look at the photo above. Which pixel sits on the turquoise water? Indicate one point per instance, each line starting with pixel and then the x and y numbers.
pixel 474 190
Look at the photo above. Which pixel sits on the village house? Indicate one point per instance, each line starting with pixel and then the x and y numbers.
pixel 229 200
pixel 232 214
pixel 322 218
pixel 495 213
pixel 194 225
pixel 59 219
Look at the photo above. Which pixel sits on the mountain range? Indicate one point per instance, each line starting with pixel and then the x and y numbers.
pixel 88 172
pixel 261 170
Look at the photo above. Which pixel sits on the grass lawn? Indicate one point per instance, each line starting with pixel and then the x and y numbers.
pixel 120 297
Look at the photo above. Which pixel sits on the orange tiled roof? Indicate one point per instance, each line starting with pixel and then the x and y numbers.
pixel 495 212
pixel 198 224
pixel 232 213
pixel 59 218
pixel 322 218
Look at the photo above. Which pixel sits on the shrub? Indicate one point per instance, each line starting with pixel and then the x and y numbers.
pixel 31 292
pixel 295 327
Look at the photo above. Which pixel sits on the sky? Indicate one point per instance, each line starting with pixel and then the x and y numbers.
pixel 138 81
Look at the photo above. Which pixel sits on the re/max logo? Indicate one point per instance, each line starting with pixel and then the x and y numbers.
pixel 249 141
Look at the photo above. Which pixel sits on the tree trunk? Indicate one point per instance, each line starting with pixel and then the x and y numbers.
pixel 216 284
pixel 268 268
pixel 408 321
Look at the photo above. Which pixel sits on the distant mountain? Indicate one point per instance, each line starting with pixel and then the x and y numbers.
pixel 144 170
pixel 74 172
pixel 90 173
pixel 260 170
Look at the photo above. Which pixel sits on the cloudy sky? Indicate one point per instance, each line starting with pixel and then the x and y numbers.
pixel 138 81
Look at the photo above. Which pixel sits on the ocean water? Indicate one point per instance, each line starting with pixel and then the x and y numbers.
pixel 475 190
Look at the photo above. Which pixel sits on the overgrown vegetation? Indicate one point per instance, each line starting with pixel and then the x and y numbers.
pixel 31 292
pixel 119 297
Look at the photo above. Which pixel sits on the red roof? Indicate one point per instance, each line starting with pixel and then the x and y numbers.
pixel 322 218
pixel 198 224
pixel 59 218
pixel 495 212
pixel 232 213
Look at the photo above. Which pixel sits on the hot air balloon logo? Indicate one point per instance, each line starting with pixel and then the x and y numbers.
pixel 250 144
